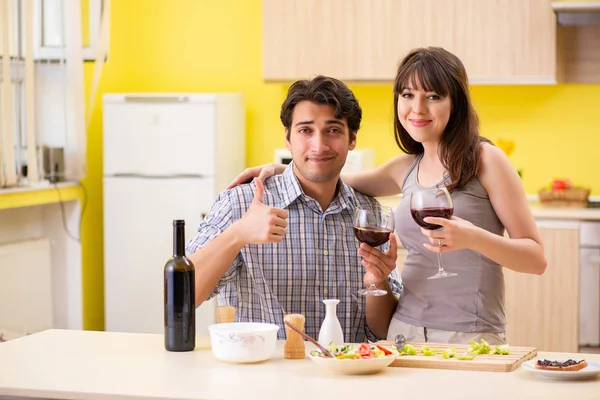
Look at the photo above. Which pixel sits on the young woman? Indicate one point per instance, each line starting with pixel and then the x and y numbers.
pixel 437 129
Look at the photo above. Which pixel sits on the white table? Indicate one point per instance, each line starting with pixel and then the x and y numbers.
pixel 101 365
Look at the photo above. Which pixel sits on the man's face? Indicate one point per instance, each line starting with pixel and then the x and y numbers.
pixel 319 142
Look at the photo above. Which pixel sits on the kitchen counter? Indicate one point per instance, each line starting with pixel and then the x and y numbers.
pixel 102 365
pixel 539 211
pixel 582 214
pixel 35 196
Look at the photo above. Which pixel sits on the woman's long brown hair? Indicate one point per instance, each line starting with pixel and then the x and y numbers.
pixel 440 71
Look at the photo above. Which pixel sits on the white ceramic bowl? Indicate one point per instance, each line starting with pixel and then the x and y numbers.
pixel 243 342
pixel 354 367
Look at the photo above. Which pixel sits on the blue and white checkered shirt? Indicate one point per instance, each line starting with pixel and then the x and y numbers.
pixel 316 260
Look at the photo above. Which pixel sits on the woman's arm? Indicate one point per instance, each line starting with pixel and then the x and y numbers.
pixel 385 180
pixel 261 172
pixel 523 251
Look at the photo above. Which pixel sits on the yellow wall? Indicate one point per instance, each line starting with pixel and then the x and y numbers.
pixel 556 129
pixel 209 46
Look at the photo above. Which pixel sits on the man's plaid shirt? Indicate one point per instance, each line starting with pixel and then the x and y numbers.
pixel 316 260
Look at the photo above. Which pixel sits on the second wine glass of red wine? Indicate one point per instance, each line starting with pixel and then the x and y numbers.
pixel 432 202
pixel 373 225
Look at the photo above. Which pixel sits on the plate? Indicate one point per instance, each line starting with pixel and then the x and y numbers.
pixel 361 366
pixel 590 372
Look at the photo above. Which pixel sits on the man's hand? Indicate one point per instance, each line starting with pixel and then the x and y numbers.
pixel 261 223
pixel 378 265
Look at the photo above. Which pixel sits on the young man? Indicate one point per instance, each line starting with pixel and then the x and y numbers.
pixel 282 246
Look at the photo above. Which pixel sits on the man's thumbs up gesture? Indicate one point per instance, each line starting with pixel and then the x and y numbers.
pixel 261 223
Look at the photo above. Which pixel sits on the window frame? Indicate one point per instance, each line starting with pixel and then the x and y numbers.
pixel 55 53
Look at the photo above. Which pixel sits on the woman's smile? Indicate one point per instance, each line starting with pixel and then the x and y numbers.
pixel 419 123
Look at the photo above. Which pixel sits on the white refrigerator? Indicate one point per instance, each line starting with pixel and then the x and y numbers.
pixel 166 156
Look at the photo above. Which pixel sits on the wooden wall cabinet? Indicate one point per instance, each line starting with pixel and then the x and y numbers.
pixel 543 311
pixel 578 54
pixel 502 41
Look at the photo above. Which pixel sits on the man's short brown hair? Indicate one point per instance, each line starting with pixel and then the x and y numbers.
pixel 323 90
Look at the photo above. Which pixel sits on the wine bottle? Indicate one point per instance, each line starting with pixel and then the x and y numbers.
pixel 179 295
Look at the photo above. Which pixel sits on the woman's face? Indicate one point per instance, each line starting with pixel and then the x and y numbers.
pixel 423 114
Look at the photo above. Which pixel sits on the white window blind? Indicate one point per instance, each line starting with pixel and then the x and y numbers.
pixel 42 50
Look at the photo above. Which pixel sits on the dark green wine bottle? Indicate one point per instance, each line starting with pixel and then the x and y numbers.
pixel 179 295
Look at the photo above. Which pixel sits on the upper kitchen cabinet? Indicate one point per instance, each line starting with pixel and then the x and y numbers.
pixel 501 41
pixel 578 41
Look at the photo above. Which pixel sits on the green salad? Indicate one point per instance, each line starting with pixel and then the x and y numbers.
pixel 354 351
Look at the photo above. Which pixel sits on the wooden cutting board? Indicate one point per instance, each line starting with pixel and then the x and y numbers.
pixel 483 362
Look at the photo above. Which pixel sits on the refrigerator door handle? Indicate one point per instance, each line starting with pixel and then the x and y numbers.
pixel 157 99
pixel 150 176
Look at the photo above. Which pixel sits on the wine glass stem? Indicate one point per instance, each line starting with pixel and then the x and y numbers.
pixel 439 257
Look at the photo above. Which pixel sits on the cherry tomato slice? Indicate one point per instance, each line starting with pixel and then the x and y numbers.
pixel 365 350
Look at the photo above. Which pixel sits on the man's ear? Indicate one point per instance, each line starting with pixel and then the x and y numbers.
pixel 287 142
pixel 352 141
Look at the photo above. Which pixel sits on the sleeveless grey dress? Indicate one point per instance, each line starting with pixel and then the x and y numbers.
pixel 473 301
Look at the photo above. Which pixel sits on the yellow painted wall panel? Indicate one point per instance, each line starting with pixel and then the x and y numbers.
pixel 556 130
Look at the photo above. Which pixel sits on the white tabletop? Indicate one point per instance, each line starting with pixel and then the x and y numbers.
pixel 101 365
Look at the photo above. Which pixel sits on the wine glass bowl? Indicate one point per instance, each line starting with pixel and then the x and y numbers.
pixel 432 202
pixel 419 216
pixel 373 225
pixel 372 235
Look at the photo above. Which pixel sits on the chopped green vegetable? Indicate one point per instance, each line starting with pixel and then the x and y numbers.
pixel 426 351
pixel 503 350
pixel 343 356
pixel 408 350
pixel 338 349
pixel 479 348
pixel 378 353
pixel 467 356
pixel 449 353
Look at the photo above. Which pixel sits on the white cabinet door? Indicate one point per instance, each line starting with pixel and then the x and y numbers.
pixel 589 295
pixel 138 242
pixel 25 288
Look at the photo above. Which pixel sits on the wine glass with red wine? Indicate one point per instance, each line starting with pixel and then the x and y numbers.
pixel 432 202
pixel 373 225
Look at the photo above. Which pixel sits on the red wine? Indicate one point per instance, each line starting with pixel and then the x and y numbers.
pixel 420 214
pixel 372 235
pixel 179 295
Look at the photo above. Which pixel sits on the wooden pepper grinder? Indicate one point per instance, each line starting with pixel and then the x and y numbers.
pixel 294 345
pixel 225 314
